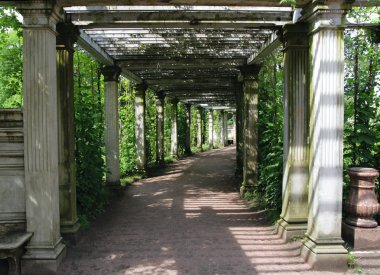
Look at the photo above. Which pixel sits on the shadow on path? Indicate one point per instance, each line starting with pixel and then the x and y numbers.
pixel 187 220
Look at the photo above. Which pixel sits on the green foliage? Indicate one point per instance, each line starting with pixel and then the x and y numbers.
pixel 150 124
pixel 89 120
pixel 270 149
pixel 10 59
pixel 362 95
pixel 127 128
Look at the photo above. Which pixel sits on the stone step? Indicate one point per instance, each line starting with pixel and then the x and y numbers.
pixel 11 118
pixel 11 135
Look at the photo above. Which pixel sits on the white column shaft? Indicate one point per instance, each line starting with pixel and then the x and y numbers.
pixel 140 131
pixel 111 103
pixel 174 130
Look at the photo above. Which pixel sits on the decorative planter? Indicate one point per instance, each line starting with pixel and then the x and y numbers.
pixel 362 203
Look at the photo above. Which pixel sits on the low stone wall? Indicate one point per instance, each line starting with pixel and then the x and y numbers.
pixel 12 187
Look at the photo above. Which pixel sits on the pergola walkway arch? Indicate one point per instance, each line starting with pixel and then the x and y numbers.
pixel 206 54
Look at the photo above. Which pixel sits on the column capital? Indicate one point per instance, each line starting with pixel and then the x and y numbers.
pixel 160 95
pixel 188 105
pixel 140 88
pixel 40 13
pixel 111 73
pixel 250 72
pixel 295 35
pixel 325 14
pixel 174 100
pixel 68 34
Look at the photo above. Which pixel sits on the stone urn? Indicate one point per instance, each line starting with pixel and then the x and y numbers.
pixel 362 203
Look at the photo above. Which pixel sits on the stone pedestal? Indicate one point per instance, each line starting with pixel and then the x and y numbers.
pixel 199 128
pixel 68 35
pixel 293 222
pixel 160 129
pixel 140 128
pixel 361 238
pixel 45 250
pixel 174 129
pixel 210 129
pixel 111 104
pixel 188 126
pixel 250 116
pixel 323 247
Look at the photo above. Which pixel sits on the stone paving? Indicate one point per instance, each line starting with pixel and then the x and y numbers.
pixel 187 220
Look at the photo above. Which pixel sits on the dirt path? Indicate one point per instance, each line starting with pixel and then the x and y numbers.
pixel 188 220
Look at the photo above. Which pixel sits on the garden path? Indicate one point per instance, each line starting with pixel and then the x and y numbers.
pixel 186 219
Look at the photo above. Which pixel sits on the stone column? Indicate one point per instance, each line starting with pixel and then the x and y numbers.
pixel 188 127
pixel 160 128
pixel 239 129
pixel 68 35
pixel 222 130
pixel 174 130
pixel 225 128
pixel 234 129
pixel 210 129
pixel 199 129
pixel 111 104
pixel 45 250
pixel 140 128
pixel 323 247
pixel 250 116
pixel 293 220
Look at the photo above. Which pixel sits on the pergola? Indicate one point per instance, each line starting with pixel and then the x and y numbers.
pixel 203 53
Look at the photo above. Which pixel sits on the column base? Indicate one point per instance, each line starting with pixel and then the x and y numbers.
pixel 43 260
pixel 246 188
pixel 325 256
pixel 70 231
pixel 188 152
pixel 290 231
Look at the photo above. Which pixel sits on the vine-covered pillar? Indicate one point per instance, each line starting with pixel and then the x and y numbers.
pixel 45 250
pixel 293 221
pixel 67 36
pixel 239 129
pixel 111 103
pixel 225 128
pixel 250 117
pixel 222 129
pixel 210 128
pixel 234 133
pixel 188 127
pixel 199 128
pixel 141 158
pixel 174 129
pixel 160 130
pixel 323 247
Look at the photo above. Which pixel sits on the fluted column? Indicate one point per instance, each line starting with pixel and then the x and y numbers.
pixel 210 128
pixel 250 117
pixel 323 247
pixel 293 220
pixel 222 129
pixel 199 128
pixel 225 128
pixel 111 104
pixel 239 129
pixel 68 35
pixel 160 128
pixel 174 130
pixel 188 127
pixel 234 128
pixel 45 250
pixel 140 128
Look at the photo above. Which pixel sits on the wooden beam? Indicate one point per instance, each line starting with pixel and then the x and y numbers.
pixel 258 3
pixel 267 48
